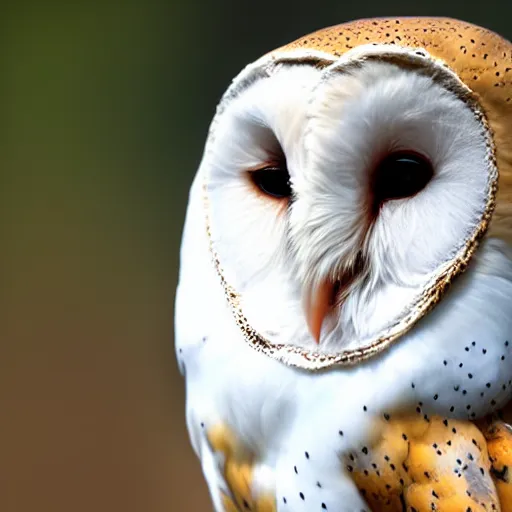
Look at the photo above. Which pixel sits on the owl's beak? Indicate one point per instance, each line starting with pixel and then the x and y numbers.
pixel 329 294
pixel 319 302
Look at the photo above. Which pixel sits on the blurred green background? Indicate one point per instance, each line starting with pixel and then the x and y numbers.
pixel 104 113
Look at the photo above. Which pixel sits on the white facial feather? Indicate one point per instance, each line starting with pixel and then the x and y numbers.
pixel 357 118
pixel 333 127
pixel 267 117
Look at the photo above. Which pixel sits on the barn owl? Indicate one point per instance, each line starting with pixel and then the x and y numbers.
pixel 344 308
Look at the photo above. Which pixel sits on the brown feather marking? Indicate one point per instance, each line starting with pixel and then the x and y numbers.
pixel 238 473
pixel 415 462
pixel 499 444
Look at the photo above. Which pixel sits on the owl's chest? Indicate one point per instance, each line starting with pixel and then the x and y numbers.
pixel 460 375
pixel 286 440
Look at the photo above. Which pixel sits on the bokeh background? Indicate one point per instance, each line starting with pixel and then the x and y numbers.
pixel 104 111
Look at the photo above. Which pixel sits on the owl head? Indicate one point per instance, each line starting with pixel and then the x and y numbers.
pixel 351 177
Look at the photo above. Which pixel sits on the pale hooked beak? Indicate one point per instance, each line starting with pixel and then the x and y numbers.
pixel 318 304
pixel 328 294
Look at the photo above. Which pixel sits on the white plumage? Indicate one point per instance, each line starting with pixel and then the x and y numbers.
pixel 331 126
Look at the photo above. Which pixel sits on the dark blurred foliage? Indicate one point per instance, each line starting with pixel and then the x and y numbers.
pixel 104 111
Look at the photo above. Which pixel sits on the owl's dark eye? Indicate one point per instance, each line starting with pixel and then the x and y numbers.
pixel 273 181
pixel 400 175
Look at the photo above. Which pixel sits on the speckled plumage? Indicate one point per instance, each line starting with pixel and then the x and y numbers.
pixel 413 427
